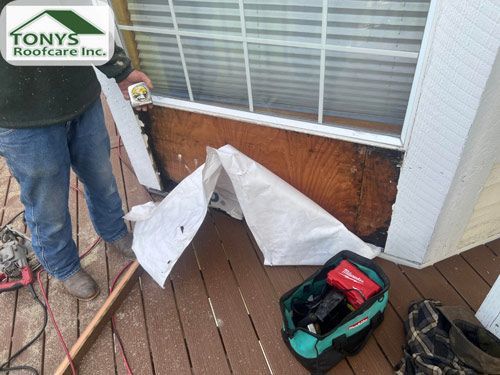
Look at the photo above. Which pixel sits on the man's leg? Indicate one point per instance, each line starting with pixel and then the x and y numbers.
pixel 90 153
pixel 39 160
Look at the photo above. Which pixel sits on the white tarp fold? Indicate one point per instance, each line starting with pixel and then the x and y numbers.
pixel 289 228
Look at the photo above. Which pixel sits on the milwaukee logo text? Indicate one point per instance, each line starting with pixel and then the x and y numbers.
pixel 349 275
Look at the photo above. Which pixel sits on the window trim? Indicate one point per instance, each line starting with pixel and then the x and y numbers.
pixel 323 130
pixel 423 58
pixel 330 130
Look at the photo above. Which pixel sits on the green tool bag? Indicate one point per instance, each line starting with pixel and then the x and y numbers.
pixel 320 352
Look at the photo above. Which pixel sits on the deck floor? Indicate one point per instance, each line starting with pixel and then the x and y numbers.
pixel 219 311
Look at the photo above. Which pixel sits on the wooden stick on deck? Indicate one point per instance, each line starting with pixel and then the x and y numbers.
pixel 112 303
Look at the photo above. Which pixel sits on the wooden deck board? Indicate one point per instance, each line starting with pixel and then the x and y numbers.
pixel 134 336
pixel 28 321
pixel 431 284
pixel 8 308
pixel 307 271
pixel 204 343
pixel 100 359
pixel 282 278
pixel 471 287
pixel 240 340
pixel 390 336
pixel 164 324
pixel 28 315
pixel 494 246
pixel 257 290
pixel 342 368
pixel 485 262
pixel 7 300
pixel 4 187
pixel 172 358
pixel 370 360
pixel 13 205
pixel 402 292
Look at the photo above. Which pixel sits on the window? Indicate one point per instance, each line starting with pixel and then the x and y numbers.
pixel 327 63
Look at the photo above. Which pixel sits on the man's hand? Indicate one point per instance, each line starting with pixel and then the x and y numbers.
pixel 135 76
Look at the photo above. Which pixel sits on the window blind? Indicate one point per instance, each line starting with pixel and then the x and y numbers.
pixel 326 61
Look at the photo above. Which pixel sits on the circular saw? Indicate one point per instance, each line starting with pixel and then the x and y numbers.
pixel 17 260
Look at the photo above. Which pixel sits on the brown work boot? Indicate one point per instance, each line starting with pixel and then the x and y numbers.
pixel 81 286
pixel 124 246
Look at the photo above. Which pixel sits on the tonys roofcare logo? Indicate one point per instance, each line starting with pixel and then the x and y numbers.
pixel 56 35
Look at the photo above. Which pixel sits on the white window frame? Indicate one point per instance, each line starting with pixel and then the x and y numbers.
pixel 335 130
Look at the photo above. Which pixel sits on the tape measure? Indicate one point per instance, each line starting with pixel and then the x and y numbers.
pixel 139 94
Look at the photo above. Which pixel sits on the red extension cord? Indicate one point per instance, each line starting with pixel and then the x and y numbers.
pixel 56 326
pixel 115 280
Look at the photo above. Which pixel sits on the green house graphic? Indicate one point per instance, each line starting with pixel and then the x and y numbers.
pixel 68 19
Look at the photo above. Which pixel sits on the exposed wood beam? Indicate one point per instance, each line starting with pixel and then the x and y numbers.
pixel 122 17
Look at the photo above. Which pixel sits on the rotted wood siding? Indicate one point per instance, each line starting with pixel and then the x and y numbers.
pixel 484 223
pixel 355 183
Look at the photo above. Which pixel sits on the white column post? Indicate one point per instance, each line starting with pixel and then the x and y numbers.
pixel 452 127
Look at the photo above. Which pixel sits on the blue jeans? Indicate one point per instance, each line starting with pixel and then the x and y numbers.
pixel 40 160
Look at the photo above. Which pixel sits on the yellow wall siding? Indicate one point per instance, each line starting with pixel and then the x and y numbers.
pixel 484 223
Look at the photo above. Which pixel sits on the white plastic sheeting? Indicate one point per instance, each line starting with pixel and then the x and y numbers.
pixel 289 228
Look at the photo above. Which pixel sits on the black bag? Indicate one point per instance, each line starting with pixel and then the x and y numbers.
pixel 348 331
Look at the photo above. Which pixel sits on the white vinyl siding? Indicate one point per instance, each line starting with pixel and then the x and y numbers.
pixel 484 223
pixel 319 60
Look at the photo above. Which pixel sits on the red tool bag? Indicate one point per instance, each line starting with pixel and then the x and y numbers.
pixel 356 285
